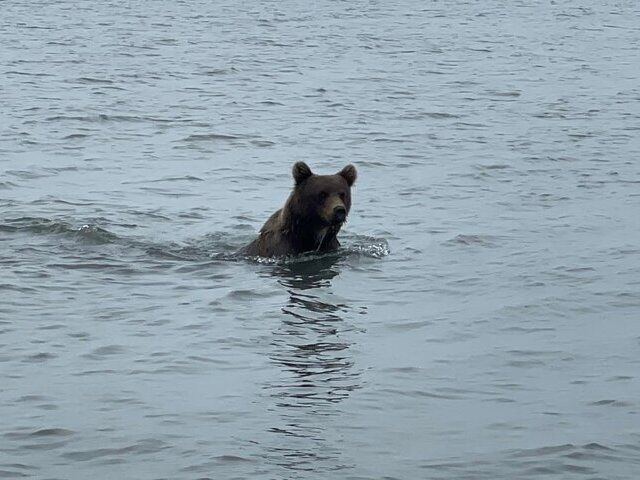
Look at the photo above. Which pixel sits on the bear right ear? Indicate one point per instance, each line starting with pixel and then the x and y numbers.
pixel 301 172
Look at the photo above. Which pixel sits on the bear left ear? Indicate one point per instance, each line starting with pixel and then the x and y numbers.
pixel 349 174
pixel 301 172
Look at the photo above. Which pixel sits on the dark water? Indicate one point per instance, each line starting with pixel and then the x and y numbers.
pixel 481 320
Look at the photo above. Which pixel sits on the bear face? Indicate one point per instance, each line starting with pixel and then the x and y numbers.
pixel 323 200
pixel 311 217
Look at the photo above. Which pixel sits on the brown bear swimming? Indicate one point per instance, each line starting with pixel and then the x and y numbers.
pixel 312 216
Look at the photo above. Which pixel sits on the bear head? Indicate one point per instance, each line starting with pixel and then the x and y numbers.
pixel 321 200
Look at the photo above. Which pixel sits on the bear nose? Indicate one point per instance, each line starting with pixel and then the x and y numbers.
pixel 339 214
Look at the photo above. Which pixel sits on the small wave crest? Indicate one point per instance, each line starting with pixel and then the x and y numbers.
pixel 44 226
pixel 474 240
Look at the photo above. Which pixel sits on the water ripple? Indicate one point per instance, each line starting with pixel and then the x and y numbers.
pixel 479 320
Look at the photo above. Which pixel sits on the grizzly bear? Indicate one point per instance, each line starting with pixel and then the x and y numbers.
pixel 311 217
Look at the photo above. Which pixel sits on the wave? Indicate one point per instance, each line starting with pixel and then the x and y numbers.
pixel 44 226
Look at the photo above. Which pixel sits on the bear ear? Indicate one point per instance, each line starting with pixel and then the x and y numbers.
pixel 301 172
pixel 349 174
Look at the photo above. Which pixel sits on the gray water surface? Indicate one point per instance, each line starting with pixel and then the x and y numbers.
pixel 480 321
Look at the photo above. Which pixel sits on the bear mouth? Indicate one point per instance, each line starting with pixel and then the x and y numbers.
pixel 331 222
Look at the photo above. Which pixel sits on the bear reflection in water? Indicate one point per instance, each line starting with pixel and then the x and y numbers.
pixel 311 217
pixel 312 344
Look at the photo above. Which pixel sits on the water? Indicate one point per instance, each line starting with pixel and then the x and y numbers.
pixel 481 320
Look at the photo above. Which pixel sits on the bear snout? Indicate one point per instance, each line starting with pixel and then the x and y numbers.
pixel 339 214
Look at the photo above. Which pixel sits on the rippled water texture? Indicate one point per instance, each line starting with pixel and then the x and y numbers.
pixel 481 320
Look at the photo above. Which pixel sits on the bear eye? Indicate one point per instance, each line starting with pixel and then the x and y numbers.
pixel 323 195
pixel 342 195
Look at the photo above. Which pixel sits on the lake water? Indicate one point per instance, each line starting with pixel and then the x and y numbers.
pixel 481 320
